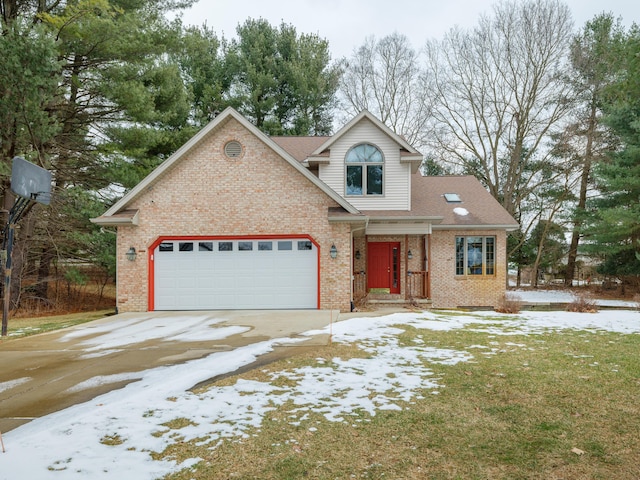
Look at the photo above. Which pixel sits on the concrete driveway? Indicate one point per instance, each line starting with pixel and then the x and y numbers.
pixel 48 372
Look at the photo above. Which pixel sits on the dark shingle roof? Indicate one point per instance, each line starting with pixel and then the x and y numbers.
pixel 299 147
pixel 477 207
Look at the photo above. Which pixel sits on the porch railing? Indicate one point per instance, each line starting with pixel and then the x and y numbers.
pixel 418 284
pixel 359 286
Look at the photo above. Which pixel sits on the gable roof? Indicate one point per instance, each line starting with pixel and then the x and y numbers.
pixel 300 147
pixel 109 217
pixel 407 152
pixel 381 126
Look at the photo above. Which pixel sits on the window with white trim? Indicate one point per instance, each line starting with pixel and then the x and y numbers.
pixel 475 255
pixel 365 170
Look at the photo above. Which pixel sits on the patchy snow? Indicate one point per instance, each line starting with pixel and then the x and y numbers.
pixel 564 296
pixel 24 331
pixel 538 322
pixel 130 331
pixel 67 444
pixel 103 380
pixel 463 212
pixel 13 383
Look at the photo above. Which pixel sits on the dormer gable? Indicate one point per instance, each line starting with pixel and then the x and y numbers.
pixel 408 154
pixel 368 164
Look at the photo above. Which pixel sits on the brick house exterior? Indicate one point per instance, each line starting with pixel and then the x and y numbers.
pixel 237 219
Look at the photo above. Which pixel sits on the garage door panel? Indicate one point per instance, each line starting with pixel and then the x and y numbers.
pixel 235 274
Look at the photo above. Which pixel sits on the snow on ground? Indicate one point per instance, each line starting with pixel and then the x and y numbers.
pixel 564 296
pixel 120 333
pixel 67 444
pixel 13 383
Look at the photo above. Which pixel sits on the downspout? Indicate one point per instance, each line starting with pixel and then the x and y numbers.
pixel 428 264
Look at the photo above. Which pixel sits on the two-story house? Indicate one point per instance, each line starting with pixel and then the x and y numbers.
pixel 236 219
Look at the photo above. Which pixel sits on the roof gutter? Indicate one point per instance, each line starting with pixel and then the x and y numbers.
pixel 116 220
pixel 508 227
pixel 433 219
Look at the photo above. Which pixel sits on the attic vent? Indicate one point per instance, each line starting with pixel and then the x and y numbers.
pixel 452 198
pixel 233 149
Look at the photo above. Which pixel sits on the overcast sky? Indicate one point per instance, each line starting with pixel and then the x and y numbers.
pixel 346 23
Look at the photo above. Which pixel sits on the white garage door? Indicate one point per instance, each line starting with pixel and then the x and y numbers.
pixel 235 274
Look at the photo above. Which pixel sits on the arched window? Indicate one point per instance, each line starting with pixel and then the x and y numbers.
pixel 365 165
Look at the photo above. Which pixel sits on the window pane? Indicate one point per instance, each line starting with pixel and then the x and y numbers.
pixel 186 246
pixel 225 246
pixel 205 246
pixel 305 245
pixel 394 260
pixel 265 245
pixel 459 255
pixel 490 255
pixel 364 153
pixel 354 155
pixel 374 180
pixel 474 255
pixel 372 154
pixel 166 247
pixel 245 246
pixel 354 180
pixel 285 245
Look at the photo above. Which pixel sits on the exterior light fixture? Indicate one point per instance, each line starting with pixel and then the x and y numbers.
pixel 357 254
pixel 333 252
pixel 409 255
pixel 131 254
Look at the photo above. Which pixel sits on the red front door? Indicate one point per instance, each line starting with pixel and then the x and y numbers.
pixel 384 265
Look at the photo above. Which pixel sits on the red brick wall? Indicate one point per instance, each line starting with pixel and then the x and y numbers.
pixel 259 193
pixel 449 290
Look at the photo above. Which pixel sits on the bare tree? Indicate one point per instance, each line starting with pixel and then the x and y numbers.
pixel 547 234
pixel 384 77
pixel 499 95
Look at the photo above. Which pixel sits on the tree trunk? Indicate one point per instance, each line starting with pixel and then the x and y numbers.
pixel 582 199
pixel 8 199
pixel 44 272
pixel 17 271
pixel 9 10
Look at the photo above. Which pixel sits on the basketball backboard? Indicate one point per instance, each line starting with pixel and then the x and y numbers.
pixel 30 181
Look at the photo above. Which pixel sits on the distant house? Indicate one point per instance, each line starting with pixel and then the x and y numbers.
pixel 236 219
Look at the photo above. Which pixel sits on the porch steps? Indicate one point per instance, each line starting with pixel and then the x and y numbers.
pixel 394 302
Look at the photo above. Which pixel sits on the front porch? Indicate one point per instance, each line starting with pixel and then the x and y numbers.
pixel 391 270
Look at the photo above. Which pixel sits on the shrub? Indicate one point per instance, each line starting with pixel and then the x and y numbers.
pixel 582 304
pixel 509 304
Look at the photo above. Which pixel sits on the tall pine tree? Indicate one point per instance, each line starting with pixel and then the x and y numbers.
pixel 614 232
pixel 76 72
pixel 586 140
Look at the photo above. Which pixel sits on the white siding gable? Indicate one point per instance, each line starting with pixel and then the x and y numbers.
pixel 396 176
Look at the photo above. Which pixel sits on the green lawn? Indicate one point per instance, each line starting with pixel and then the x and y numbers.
pixel 550 406
pixel 23 327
